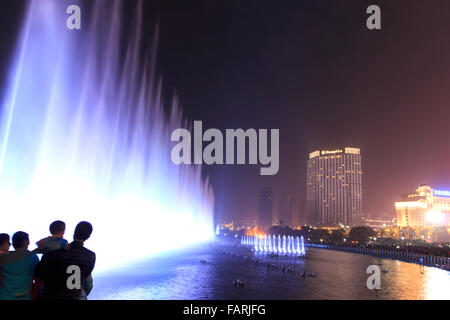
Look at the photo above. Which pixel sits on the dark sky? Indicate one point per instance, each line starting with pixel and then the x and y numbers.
pixel 313 70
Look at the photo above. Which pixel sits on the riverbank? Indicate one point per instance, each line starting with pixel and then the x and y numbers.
pixel 427 260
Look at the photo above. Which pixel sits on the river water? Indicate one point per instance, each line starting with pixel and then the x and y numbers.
pixel 181 275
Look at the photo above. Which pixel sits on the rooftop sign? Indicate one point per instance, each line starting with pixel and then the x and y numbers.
pixel 441 193
pixel 331 152
pixel 324 152
pixel 314 154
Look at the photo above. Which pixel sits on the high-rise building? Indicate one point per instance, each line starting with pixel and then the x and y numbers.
pixel 426 207
pixel 334 188
pixel 285 210
pixel 265 207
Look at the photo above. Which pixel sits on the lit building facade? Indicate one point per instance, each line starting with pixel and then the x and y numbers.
pixel 377 224
pixel 334 188
pixel 424 208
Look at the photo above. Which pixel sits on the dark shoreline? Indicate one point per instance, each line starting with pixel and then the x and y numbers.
pixel 429 261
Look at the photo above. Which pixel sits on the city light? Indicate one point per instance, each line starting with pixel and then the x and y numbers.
pixel 410 204
pixel 435 217
pixel 442 193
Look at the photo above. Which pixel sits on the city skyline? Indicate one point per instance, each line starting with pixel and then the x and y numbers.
pixel 281 205
pixel 300 217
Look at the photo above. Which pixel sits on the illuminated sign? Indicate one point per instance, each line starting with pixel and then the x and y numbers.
pixel 314 154
pixel 352 150
pixel 441 193
pixel 337 151
pixel 331 152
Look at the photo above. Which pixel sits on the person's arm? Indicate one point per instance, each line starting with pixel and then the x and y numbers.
pixel 91 264
pixel 36 286
pixel 42 269
pixel 36 283
pixel 88 284
pixel 49 244
pixel 12 257
pixel 34 262
pixel 64 244
pixel 41 244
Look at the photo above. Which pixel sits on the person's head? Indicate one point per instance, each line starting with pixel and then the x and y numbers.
pixel 4 242
pixel 20 240
pixel 57 228
pixel 83 231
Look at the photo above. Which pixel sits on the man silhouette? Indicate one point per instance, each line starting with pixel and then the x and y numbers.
pixel 17 269
pixel 65 271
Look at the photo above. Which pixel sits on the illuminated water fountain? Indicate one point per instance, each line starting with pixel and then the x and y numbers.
pixel 84 136
pixel 287 245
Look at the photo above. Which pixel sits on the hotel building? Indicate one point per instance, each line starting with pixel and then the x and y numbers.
pixel 334 188
pixel 424 208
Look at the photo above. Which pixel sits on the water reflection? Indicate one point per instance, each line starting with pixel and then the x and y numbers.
pixel 437 284
pixel 340 275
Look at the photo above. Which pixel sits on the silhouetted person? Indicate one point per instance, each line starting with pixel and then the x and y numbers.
pixel 6 256
pixel 66 271
pixel 55 241
pixel 18 269
pixel 4 248
pixel 4 243
pixel 422 268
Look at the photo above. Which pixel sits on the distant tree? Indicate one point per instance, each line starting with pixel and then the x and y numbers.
pixel 305 232
pixel 283 231
pixel 337 235
pixel 361 234
pixel 319 234
pixel 297 233
pixel 276 230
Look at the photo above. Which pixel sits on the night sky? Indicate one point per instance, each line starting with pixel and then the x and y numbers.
pixel 313 70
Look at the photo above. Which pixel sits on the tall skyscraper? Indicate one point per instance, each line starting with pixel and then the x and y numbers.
pixel 334 188
pixel 265 207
